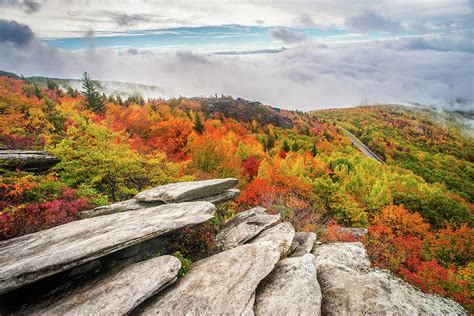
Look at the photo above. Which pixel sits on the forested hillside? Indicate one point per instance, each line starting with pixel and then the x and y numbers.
pixel 418 207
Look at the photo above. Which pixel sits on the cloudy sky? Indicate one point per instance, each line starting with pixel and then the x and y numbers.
pixel 298 54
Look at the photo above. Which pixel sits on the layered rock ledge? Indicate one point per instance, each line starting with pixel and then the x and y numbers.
pixel 28 160
pixel 32 257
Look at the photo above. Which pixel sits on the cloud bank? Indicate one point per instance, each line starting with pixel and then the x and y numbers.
pixel 303 76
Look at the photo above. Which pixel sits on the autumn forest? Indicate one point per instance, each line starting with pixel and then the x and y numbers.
pixel 417 204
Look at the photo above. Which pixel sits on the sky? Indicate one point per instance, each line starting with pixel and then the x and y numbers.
pixel 299 54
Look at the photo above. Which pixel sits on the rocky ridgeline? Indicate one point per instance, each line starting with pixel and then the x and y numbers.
pixel 97 265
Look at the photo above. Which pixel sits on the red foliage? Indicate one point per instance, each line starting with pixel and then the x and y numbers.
pixel 38 216
pixel 250 166
pixel 261 192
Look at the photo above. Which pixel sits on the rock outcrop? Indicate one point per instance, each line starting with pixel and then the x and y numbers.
pixel 302 243
pixel 186 191
pixel 32 257
pixel 225 196
pixel 28 160
pixel 95 265
pixel 221 284
pixel 115 293
pixel 349 286
pixel 124 206
pixel 213 191
pixel 281 234
pixel 291 289
pixel 244 226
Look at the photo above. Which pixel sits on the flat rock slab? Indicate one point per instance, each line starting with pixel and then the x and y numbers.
pixel 116 293
pixel 244 226
pixel 222 197
pixel 291 289
pixel 302 243
pixel 35 256
pixel 124 206
pixel 350 287
pixel 29 160
pixel 186 191
pixel 281 234
pixel 222 284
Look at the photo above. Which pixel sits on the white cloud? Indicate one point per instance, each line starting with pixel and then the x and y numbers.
pixel 302 77
pixel 288 36
pixel 72 17
pixel 371 20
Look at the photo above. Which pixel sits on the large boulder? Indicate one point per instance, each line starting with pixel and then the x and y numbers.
pixel 244 226
pixel 349 286
pixel 28 160
pixel 114 293
pixel 302 244
pixel 291 289
pixel 221 284
pixel 281 234
pixel 186 191
pixel 35 256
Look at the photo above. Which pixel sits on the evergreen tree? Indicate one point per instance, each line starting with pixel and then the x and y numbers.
pixel 295 147
pixel 198 126
pixel 269 142
pixel 93 101
pixel 314 150
pixel 72 92
pixel 285 146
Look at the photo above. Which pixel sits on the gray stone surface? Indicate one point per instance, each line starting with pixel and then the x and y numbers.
pixel 134 204
pixel 302 244
pixel 124 206
pixel 32 257
pixel 28 160
pixel 291 289
pixel 115 293
pixel 244 226
pixel 222 197
pixel 186 191
pixel 222 284
pixel 349 254
pixel 281 234
pixel 350 287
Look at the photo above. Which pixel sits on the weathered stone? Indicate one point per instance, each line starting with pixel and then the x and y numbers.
pixel 28 160
pixel 124 206
pixel 222 284
pixel 244 226
pixel 303 243
pixel 349 287
pixel 85 268
pixel 349 254
pixel 115 293
pixel 282 234
pixel 134 204
pixel 32 257
pixel 186 191
pixel 222 197
pixel 291 289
